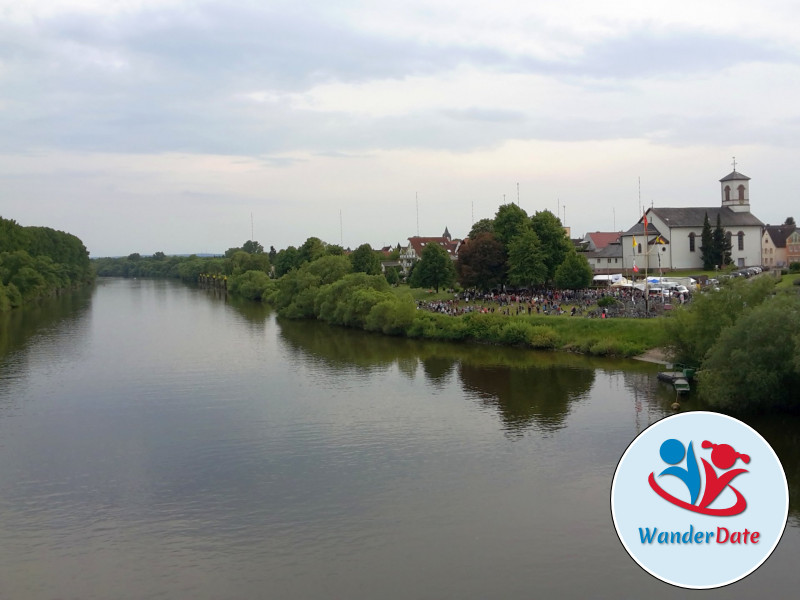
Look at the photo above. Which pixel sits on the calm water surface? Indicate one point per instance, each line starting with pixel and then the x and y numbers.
pixel 157 441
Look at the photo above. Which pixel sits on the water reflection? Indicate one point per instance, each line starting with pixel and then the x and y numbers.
pixel 526 388
pixel 526 397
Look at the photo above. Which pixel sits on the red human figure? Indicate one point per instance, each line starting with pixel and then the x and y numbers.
pixel 724 457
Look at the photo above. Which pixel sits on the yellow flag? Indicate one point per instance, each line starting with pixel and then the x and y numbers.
pixel 634 241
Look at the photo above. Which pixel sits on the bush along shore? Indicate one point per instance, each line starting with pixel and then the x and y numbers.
pixel 327 290
pixel 36 262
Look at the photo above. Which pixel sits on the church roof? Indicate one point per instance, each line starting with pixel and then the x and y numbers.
pixel 694 216
pixel 735 175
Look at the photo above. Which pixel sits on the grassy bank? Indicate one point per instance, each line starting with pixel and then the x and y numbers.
pixel 598 337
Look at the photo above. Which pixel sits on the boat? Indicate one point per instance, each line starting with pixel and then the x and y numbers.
pixel 679 377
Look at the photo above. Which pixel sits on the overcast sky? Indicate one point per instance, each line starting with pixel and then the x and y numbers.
pixel 147 125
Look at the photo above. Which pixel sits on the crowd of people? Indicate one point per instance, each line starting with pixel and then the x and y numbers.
pixel 548 302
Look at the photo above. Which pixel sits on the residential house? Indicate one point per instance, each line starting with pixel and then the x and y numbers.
pixel 603 251
pixel 793 247
pixel 413 251
pixel 773 245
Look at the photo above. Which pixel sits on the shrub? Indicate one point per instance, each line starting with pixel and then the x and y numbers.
pixel 754 364
pixel 252 285
pixel 606 301
pixel 515 332
pixel 391 316
pixel 542 338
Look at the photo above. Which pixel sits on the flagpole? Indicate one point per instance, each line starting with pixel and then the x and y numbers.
pixel 646 269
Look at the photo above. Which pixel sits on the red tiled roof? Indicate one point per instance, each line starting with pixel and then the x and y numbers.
pixel 601 239
pixel 418 243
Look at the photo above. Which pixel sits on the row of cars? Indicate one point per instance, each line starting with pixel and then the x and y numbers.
pixel 748 272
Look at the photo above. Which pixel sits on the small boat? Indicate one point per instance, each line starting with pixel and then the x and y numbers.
pixel 678 378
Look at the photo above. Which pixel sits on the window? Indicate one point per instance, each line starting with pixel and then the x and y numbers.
pixel 640 247
pixel 741 194
pixel 727 193
pixel 609 260
pixel 691 242
pixel 740 235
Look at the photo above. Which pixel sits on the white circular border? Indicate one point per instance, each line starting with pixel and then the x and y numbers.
pixel 650 571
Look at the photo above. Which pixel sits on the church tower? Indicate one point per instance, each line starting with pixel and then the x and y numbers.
pixel 736 191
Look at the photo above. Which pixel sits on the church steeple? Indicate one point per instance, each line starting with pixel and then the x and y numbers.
pixel 446 234
pixel 736 190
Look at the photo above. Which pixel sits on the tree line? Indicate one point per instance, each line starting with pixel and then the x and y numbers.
pixel 37 262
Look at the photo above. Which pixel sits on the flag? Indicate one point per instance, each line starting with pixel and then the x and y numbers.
pixel 634 241
pixel 645 222
pixel 635 268
pixel 660 240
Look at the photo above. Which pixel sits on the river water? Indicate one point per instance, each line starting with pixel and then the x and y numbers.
pixel 158 441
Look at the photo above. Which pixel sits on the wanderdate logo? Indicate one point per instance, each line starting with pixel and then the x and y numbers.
pixel 699 500
pixel 723 457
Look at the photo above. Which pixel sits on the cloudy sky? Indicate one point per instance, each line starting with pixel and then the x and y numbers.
pixel 146 125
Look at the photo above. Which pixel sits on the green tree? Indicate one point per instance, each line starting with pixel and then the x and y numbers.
pixel 252 247
pixel 482 226
pixel 482 262
pixel 574 273
pixel 334 250
pixel 312 249
pixel 553 237
pixel 392 275
pixel 789 221
pixel 753 365
pixel 509 222
pixel 707 249
pixel 242 261
pixel 722 244
pixel 434 269
pixel 526 261
pixel 365 260
pixel 694 329
pixel 286 260
pixel 159 256
pixel 329 268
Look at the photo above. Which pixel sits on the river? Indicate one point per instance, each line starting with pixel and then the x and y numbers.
pixel 159 441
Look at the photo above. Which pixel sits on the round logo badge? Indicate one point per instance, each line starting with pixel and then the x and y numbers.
pixel 699 500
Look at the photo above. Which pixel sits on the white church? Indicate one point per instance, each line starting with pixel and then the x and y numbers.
pixel 673 236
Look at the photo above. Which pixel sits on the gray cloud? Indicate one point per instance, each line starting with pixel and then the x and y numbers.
pixel 647 53
pixel 164 80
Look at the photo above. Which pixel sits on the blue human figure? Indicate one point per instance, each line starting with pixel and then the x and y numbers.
pixel 672 452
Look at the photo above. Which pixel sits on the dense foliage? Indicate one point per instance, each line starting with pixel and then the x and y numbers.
pixel 520 251
pixel 329 290
pixel 745 338
pixel 187 268
pixel 38 261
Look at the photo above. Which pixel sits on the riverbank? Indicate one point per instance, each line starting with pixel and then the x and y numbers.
pixel 654 355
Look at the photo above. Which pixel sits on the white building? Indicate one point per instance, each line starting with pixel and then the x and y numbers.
pixel 674 235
